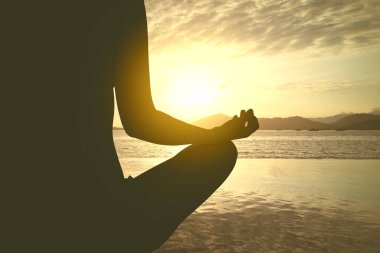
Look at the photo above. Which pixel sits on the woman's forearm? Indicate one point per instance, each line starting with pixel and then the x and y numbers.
pixel 161 128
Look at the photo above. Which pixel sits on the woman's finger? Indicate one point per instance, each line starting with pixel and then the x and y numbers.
pixel 250 113
pixel 243 118
pixel 253 124
pixel 242 114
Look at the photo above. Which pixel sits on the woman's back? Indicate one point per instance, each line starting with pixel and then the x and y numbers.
pixel 60 66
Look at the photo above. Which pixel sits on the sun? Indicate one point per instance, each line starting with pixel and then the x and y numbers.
pixel 191 88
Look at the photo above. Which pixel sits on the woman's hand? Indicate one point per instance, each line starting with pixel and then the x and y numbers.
pixel 237 127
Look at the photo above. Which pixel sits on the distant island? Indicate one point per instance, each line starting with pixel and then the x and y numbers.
pixel 349 121
pixel 339 122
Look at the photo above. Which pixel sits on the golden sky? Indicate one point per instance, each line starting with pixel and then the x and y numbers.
pixel 281 58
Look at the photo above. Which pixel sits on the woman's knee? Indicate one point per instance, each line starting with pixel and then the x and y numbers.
pixel 220 156
pixel 228 151
pixel 225 158
pixel 206 161
pixel 224 151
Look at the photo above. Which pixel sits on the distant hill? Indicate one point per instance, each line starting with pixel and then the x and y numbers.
pixel 212 121
pixel 331 119
pixel 360 121
pixel 335 118
pixel 376 111
pixel 291 123
pixel 365 125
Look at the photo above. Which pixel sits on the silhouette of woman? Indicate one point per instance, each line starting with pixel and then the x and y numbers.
pixel 84 204
pixel 166 194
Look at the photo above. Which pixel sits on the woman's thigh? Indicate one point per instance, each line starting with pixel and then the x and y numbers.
pixel 166 194
pixel 179 185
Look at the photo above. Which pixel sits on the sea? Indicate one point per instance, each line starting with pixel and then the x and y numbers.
pixel 290 191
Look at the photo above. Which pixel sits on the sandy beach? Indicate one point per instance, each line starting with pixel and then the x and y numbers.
pixel 284 205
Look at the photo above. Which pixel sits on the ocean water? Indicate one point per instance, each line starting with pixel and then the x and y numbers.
pixel 290 191
pixel 350 144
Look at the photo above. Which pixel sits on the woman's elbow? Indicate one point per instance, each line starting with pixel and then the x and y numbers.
pixel 131 130
pixel 137 124
pixel 136 128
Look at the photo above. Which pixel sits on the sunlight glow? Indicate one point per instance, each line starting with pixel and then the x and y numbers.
pixel 192 87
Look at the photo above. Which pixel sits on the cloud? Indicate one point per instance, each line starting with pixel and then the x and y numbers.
pixel 331 85
pixel 319 86
pixel 266 27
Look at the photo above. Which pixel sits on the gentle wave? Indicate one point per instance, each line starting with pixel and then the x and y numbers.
pixel 253 224
pixel 274 144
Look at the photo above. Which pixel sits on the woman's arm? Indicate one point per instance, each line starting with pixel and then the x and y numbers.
pixel 138 114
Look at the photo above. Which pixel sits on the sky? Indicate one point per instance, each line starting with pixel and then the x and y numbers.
pixel 281 58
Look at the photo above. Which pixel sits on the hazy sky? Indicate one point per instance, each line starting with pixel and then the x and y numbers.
pixel 282 58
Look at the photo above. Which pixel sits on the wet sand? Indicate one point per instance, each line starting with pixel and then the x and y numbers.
pixel 284 205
